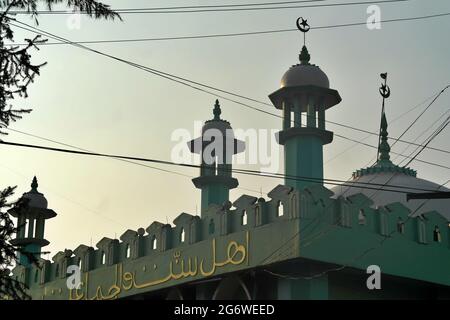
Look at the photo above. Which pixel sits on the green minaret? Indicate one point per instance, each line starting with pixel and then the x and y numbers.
pixel 216 147
pixel 384 163
pixel 31 214
pixel 304 93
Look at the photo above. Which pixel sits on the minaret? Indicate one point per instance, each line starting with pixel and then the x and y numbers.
pixel 216 147
pixel 304 91
pixel 384 163
pixel 31 216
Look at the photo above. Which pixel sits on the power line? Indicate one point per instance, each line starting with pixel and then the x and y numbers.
pixel 435 134
pixel 390 122
pixel 257 109
pixel 420 115
pixel 314 237
pixel 237 34
pixel 81 205
pixel 82 149
pixel 264 103
pixel 423 133
pixel 182 7
pixel 424 147
pixel 364 185
pixel 390 138
pixel 414 157
pixel 365 252
pixel 181 80
pixel 181 174
pixel 123 160
pixel 431 138
pixel 170 10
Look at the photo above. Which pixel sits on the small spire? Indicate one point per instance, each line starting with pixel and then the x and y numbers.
pixel 304 56
pixel 384 163
pixel 384 145
pixel 34 184
pixel 217 110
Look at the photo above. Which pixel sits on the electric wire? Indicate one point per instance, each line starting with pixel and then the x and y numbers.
pixel 363 185
pixel 123 160
pixel 183 81
pixel 171 10
pixel 237 34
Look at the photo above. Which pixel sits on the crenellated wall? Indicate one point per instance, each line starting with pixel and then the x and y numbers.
pixel 318 214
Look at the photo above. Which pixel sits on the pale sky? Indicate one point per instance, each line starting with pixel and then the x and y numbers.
pixel 102 105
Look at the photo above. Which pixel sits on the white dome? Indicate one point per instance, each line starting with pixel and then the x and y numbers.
pixel 305 75
pixel 221 125
pixel 35 198
pixel 381 198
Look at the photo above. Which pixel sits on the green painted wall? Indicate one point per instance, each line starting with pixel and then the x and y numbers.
pixel 314 227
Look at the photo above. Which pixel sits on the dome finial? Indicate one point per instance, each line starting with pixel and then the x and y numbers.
pixel 304 56
pixel 384 163
pixel 303 26
pixel 385 92
pixel 34 184
pixel 217 110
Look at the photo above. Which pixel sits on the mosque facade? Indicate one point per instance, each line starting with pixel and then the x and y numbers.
pixel 304 242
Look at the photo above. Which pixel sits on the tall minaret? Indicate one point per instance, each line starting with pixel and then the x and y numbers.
pixel 31 218
pixel 216 147
pixel 305 91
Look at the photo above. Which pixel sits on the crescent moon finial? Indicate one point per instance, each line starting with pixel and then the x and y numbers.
pixel 303 26
pixel 384 90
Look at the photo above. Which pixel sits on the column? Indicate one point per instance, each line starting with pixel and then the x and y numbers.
pixel 321 118
pixel 21 224
pixel 39 228
pixel 297 113
pixel 286 115
pixel 31 228
pixel 311 113
pixel 321 113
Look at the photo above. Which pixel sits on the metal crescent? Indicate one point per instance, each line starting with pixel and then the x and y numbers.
pixel 385 94
pixel 299 26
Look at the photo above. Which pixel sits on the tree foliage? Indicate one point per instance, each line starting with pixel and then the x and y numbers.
pixel 10 288
pixel 17 72
pixel 16 69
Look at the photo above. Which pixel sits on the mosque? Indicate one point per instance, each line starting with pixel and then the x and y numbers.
pixel 304 242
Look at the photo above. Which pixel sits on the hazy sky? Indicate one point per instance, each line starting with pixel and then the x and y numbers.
pixel 102 105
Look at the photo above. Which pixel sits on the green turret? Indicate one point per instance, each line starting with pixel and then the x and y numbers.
pixel 31 216
pixel 216 147
pixel 304 92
